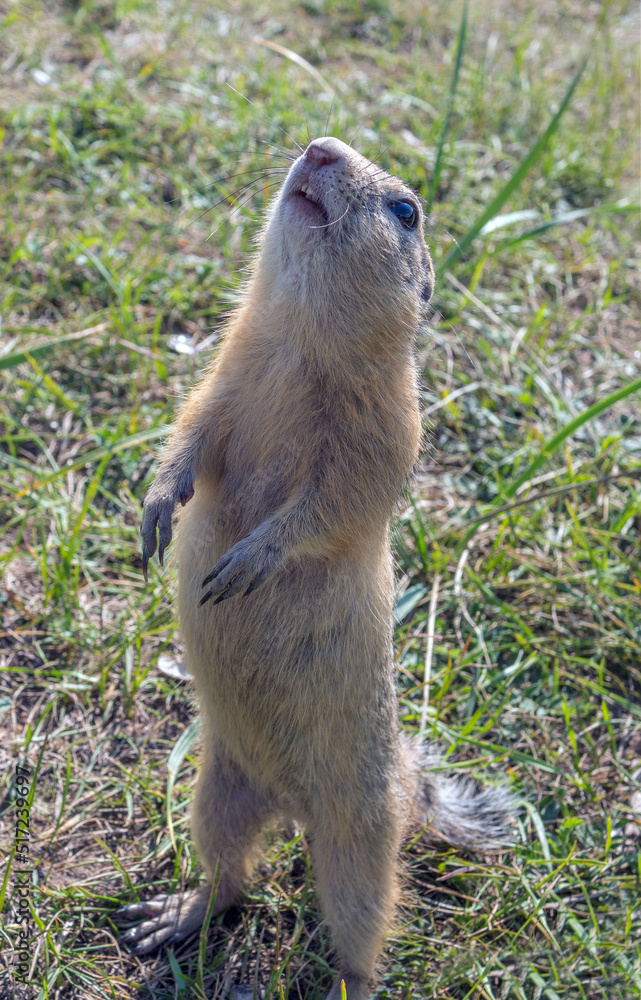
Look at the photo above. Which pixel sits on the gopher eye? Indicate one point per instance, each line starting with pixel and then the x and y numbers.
pixel 405 212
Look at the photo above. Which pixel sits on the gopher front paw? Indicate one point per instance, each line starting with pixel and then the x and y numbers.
pixel 158 510
pixel 241 570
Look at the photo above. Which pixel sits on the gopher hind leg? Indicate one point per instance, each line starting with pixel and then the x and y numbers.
pixel 227 817
pixel 355 861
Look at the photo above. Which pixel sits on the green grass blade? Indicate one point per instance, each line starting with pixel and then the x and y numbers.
pixel 408 601
pixel 438 165
pixel 176 757
pixel 21 357
pixel 555 442
pixel 556 491
pixel 515 180
pixel 97 454
pixel 563 220
pixel 567 431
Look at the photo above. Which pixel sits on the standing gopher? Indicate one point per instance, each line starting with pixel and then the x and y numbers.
pixel 290 456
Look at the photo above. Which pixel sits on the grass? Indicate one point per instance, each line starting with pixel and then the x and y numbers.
pixel 518 548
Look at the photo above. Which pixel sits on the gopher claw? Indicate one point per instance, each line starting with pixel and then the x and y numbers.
pixel 158 509
pixel 240 571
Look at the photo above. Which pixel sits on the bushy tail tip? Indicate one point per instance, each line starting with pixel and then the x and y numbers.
pixel 454 810
pixel 458 813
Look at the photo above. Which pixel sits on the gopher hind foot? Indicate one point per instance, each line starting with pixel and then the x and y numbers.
pixel 168 919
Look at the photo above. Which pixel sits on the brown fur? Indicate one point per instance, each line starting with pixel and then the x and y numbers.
pixel 295 447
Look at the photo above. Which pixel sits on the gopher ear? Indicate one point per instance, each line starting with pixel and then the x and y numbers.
pixel 428 285
pixel 428 288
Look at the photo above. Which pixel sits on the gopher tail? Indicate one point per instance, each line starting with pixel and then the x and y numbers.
pixel 455 810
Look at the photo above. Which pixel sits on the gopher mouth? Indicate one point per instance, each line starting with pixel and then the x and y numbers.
pixel 312 204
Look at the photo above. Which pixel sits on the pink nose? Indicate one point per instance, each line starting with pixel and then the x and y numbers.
pixel 323 151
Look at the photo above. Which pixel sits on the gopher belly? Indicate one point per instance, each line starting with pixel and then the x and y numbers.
pixel 296 669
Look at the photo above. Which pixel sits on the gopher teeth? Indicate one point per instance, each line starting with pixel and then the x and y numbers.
pixel 308 194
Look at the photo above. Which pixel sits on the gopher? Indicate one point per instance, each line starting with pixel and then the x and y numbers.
pixel 289 458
